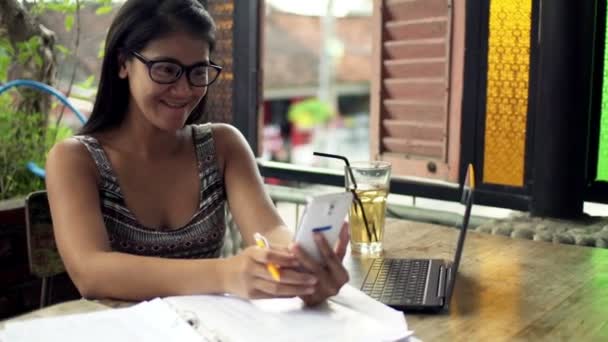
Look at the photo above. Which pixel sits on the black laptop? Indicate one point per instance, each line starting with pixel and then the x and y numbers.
pixel 414 284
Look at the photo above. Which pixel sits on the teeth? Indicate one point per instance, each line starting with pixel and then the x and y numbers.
pixel 174 105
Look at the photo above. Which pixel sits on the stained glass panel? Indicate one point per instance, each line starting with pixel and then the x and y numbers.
pixel 507 91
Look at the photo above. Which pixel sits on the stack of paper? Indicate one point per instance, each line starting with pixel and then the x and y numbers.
pixel 149 321
pixel 349 316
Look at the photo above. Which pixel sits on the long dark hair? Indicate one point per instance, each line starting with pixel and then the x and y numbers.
pixel 137 23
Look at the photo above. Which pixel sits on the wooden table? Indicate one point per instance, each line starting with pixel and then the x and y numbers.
pixel 510 289
pixel 507 289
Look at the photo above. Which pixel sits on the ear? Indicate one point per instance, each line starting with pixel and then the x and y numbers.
pixel 122 66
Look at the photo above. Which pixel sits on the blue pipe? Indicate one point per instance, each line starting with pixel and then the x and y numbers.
pixel 35 169
pixel 47 89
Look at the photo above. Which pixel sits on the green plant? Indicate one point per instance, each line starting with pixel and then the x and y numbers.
pixel 310 113
pixel 23 138
pixel 26 131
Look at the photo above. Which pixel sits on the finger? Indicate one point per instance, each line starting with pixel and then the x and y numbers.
pixel 259 271
pixel 313 300
pixel 306 260
pixel 289 276
pixel 281 249
pixel 282 290
pixel 342 243
pixel 328 254
pixel 278 258
pixel 257 294
pixel 337 272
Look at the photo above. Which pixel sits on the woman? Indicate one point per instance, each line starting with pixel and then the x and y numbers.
pixel 123 193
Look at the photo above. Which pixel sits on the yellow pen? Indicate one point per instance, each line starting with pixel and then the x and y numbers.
pixel 261 241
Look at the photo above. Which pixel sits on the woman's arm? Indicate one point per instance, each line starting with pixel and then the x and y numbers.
pixel 82 240
pixel 98 272
pixel 253 212
pixel 250 205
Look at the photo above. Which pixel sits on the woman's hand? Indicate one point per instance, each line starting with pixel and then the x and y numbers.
pixel 247 276
pixel 333 275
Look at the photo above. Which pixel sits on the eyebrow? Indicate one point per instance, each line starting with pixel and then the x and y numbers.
pixel 175 60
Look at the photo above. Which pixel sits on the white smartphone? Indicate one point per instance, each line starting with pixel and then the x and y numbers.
pixel 324 214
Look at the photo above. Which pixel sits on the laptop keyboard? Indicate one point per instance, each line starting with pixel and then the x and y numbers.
pixel 397 281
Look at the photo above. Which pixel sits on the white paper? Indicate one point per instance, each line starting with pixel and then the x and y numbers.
pixel 349 316
pixel 148 321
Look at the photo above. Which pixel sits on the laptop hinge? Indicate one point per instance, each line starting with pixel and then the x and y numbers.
pixel 442 282
pixel 449 286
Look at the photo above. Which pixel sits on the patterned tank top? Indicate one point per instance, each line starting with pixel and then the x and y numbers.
pixel 201 237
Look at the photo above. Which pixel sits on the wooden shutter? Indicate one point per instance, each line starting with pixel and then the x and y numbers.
pixel 417 86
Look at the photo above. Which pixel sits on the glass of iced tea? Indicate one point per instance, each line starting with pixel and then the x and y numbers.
pixel 370 183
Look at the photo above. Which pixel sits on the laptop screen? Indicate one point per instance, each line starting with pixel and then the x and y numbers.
pixel 468 188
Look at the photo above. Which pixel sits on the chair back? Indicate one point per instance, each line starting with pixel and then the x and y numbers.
pixel 44 259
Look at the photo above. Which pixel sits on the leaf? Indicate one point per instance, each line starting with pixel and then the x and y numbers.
pixel 69 22
pixel 37 9
pixel 104 10
pixel 5 61
pixel 88 83
pixel 34 42
pixel 21 140
pixel 6 45
pixel 64 6
pixel 22 58
pixel 62 49
pixel 101 52
pixel 56 7
pixel 38 60
pixel 28 50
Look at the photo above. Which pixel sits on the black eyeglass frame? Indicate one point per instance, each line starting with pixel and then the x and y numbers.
pixel 149 63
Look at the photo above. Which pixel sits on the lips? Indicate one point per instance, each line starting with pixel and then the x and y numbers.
pixel 174 105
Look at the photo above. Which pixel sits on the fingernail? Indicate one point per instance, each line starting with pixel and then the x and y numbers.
pixel 309 290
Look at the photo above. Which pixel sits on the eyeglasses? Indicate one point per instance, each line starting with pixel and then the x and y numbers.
pixel 167 71
pixel 357 201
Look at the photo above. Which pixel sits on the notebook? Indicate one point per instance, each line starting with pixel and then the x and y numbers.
pixel 152 321
pixel 416 284
pixel 349 316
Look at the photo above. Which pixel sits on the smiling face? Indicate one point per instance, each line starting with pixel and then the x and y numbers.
pixel 165 106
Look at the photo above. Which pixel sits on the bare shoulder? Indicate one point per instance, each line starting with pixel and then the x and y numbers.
pixel 226 134
pixel 70 158
pixel 229 143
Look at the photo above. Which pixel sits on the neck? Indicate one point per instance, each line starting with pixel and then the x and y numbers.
pixel 147 142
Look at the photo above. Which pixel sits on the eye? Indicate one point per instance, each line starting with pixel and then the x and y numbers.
pixel 165 69
pixel 199 72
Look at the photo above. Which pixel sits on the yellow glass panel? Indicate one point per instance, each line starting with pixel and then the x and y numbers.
pixel 507 92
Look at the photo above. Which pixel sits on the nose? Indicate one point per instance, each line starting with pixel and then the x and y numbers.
pixel 182 86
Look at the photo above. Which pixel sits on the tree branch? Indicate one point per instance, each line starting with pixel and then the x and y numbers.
pixel 19 26
pixel 73 76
